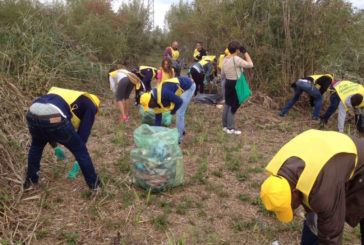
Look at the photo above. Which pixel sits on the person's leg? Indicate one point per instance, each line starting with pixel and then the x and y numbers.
pixel 223 81
pixel 334 104
pixel 316 95
pixel 308 238
pixel 67 136
pixel 194 75
pixel 362 231
pixel 121 108
pixel 35 152
pixel 200 80
pixel 180 114
pixel 127 107
pixel 230 119
pixel 225 116
pixel 297 93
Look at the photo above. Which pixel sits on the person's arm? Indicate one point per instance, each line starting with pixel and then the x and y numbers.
pixel 112 84
pixel 158 119
pixel 159 76
pixel 87 120
pixel 341 117
pixel 172 97
pixel 247 63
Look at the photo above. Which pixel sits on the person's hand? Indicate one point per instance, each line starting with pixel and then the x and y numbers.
pixel 242 49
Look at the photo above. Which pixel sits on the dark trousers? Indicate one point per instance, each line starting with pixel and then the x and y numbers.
pixel 334 104
pixel 308 238
pixel 63 132
pixel 198 78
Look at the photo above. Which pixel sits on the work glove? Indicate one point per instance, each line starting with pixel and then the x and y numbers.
pixel 242 49
pixel 61 155
pixel 75 169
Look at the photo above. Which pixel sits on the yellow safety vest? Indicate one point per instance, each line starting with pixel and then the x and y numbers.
pixel 317 77
pixel 147 67
pixel 132 77
pixel 175 54
pixel 347 88
pixel 221 59
pixel 204 62
pixel 209 57
pixel 70 96
pixel 165 75
pixel 178 92
pixel 195 54
pixel 315 148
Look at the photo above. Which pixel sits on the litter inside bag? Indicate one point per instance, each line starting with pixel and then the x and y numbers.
pixel 207 98
pixel 157 163
pixel 148 117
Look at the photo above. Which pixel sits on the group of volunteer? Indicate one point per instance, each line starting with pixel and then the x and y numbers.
pixel 321 170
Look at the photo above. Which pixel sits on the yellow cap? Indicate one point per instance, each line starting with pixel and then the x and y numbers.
pixel 276 196
pixel 144 100
pixel 227 52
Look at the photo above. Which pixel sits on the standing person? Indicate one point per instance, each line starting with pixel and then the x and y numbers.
pixel 199 52
pixel 170 95
pixel 323 171
pixel 315 86
pixel 219 67
pixel 345 95
pixel 166 71
pixel 173 54
pixel 122 83
pixel 230 67
pixel 146 74
pixel 203 72
pixel 62 116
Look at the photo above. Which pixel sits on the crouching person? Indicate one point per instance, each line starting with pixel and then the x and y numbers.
pixel 323 171
pixel 170 95
pixel 64 116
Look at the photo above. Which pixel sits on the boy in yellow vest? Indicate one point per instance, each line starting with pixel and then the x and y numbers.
pixel 146 74
pixel 64 116
pixel 203 72
pixel 171 95
pixel 199 52
pixel 323 171
pixel 345 95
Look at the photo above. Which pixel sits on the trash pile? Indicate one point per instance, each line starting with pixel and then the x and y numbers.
pixel 157 163
pixel 148 117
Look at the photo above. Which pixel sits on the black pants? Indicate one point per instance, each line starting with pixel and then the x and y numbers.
pixel 198 78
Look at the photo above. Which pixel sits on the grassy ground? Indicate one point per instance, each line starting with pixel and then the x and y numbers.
pixel 218 204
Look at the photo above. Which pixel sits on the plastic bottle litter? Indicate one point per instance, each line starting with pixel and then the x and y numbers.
pixel 157 163
pixel 75 170
pixel 61 155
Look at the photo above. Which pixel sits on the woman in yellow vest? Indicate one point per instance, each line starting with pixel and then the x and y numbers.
pixel 345 95
pixel 323 171
pixel 122 83
pixel 62 116
pixel 173 54
pixel 315 86
pixel 203 72
pixel 166 71
pixel 171 95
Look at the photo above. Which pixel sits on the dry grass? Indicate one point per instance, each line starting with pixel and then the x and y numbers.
pixel 218 204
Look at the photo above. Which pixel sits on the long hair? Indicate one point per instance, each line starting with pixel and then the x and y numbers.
pixel 169 69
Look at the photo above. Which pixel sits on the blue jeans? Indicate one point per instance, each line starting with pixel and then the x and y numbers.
pixel 63 132
pixel 180 114
pixel 309 238
pixel 334 104
pixel 312 91
pixel 223 81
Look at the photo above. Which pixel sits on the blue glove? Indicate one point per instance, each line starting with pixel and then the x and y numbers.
pixel 75 169
pixel 61 155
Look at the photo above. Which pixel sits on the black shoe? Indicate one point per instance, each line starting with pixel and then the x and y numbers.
pixel 184 132
pixel 281 114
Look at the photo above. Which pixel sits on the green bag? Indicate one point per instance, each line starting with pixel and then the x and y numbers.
pixel 242 88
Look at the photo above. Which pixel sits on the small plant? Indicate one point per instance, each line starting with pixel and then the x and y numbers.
pixel 217 173
pixel 160 221
pixel 242 176
pixel 71 238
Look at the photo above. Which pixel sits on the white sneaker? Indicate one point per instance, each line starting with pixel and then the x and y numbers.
pixel 234 131
pixel 225 129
